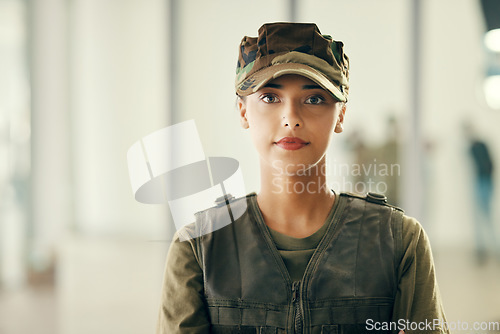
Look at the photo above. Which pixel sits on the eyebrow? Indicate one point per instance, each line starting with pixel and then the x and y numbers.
pixel 272 85
pixel 312 87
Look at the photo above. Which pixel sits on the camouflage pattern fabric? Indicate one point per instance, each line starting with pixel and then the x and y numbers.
pixel 292 48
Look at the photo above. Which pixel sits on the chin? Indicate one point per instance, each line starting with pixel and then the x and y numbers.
pixel 296 167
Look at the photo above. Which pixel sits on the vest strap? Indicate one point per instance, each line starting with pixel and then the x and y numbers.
pixel 220 315
pixel 342 315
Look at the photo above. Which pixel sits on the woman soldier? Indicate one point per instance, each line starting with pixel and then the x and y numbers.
pixel 302 258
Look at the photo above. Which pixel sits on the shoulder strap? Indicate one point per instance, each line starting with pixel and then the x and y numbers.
pixel 397 217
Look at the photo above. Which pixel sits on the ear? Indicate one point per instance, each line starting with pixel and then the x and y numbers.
pixel 339 127
pixel 242 108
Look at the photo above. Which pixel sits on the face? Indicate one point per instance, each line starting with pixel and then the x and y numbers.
pixel 291 121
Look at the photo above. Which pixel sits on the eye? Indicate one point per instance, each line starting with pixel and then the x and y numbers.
pixel 315 99
pixel 269 98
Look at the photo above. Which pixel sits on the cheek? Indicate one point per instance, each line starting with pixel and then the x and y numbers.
pixel 259 132
pixel 255 126
pixel 260 124
pixel 326 124
pixel 324 130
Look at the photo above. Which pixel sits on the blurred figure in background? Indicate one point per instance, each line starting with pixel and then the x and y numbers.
pixel 362 156
pixel 389 155
pixel 429 152
pixel 485 234
pixel 376 166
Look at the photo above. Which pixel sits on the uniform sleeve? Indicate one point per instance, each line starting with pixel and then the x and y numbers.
pixel 182 307
pixel 418 301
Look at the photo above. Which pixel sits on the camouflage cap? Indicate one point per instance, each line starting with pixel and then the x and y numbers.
pixel 292 48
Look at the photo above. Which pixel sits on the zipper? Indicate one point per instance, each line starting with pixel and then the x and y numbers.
pixel 296 304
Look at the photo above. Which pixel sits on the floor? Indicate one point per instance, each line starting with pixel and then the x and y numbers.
pixel 470 292
pixel 110 286
pixel 103 286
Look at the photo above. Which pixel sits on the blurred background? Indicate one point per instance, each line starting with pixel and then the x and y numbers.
pixel 83 80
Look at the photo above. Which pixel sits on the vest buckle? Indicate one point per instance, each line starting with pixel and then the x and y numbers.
pixel 224 200
pixel 376 198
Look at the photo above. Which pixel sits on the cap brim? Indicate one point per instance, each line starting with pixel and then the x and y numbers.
pixel 267 74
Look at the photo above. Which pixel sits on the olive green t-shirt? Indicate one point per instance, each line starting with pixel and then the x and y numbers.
pixel 296 252
pixel 183 308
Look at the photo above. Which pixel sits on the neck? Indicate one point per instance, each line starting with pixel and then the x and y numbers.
pixel 296 203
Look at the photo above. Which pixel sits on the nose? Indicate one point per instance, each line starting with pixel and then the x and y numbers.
pixel 291 116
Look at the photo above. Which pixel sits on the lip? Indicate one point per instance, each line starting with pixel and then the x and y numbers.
pixel 291 143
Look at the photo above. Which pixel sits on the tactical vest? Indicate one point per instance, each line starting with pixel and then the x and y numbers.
pixel 350 278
